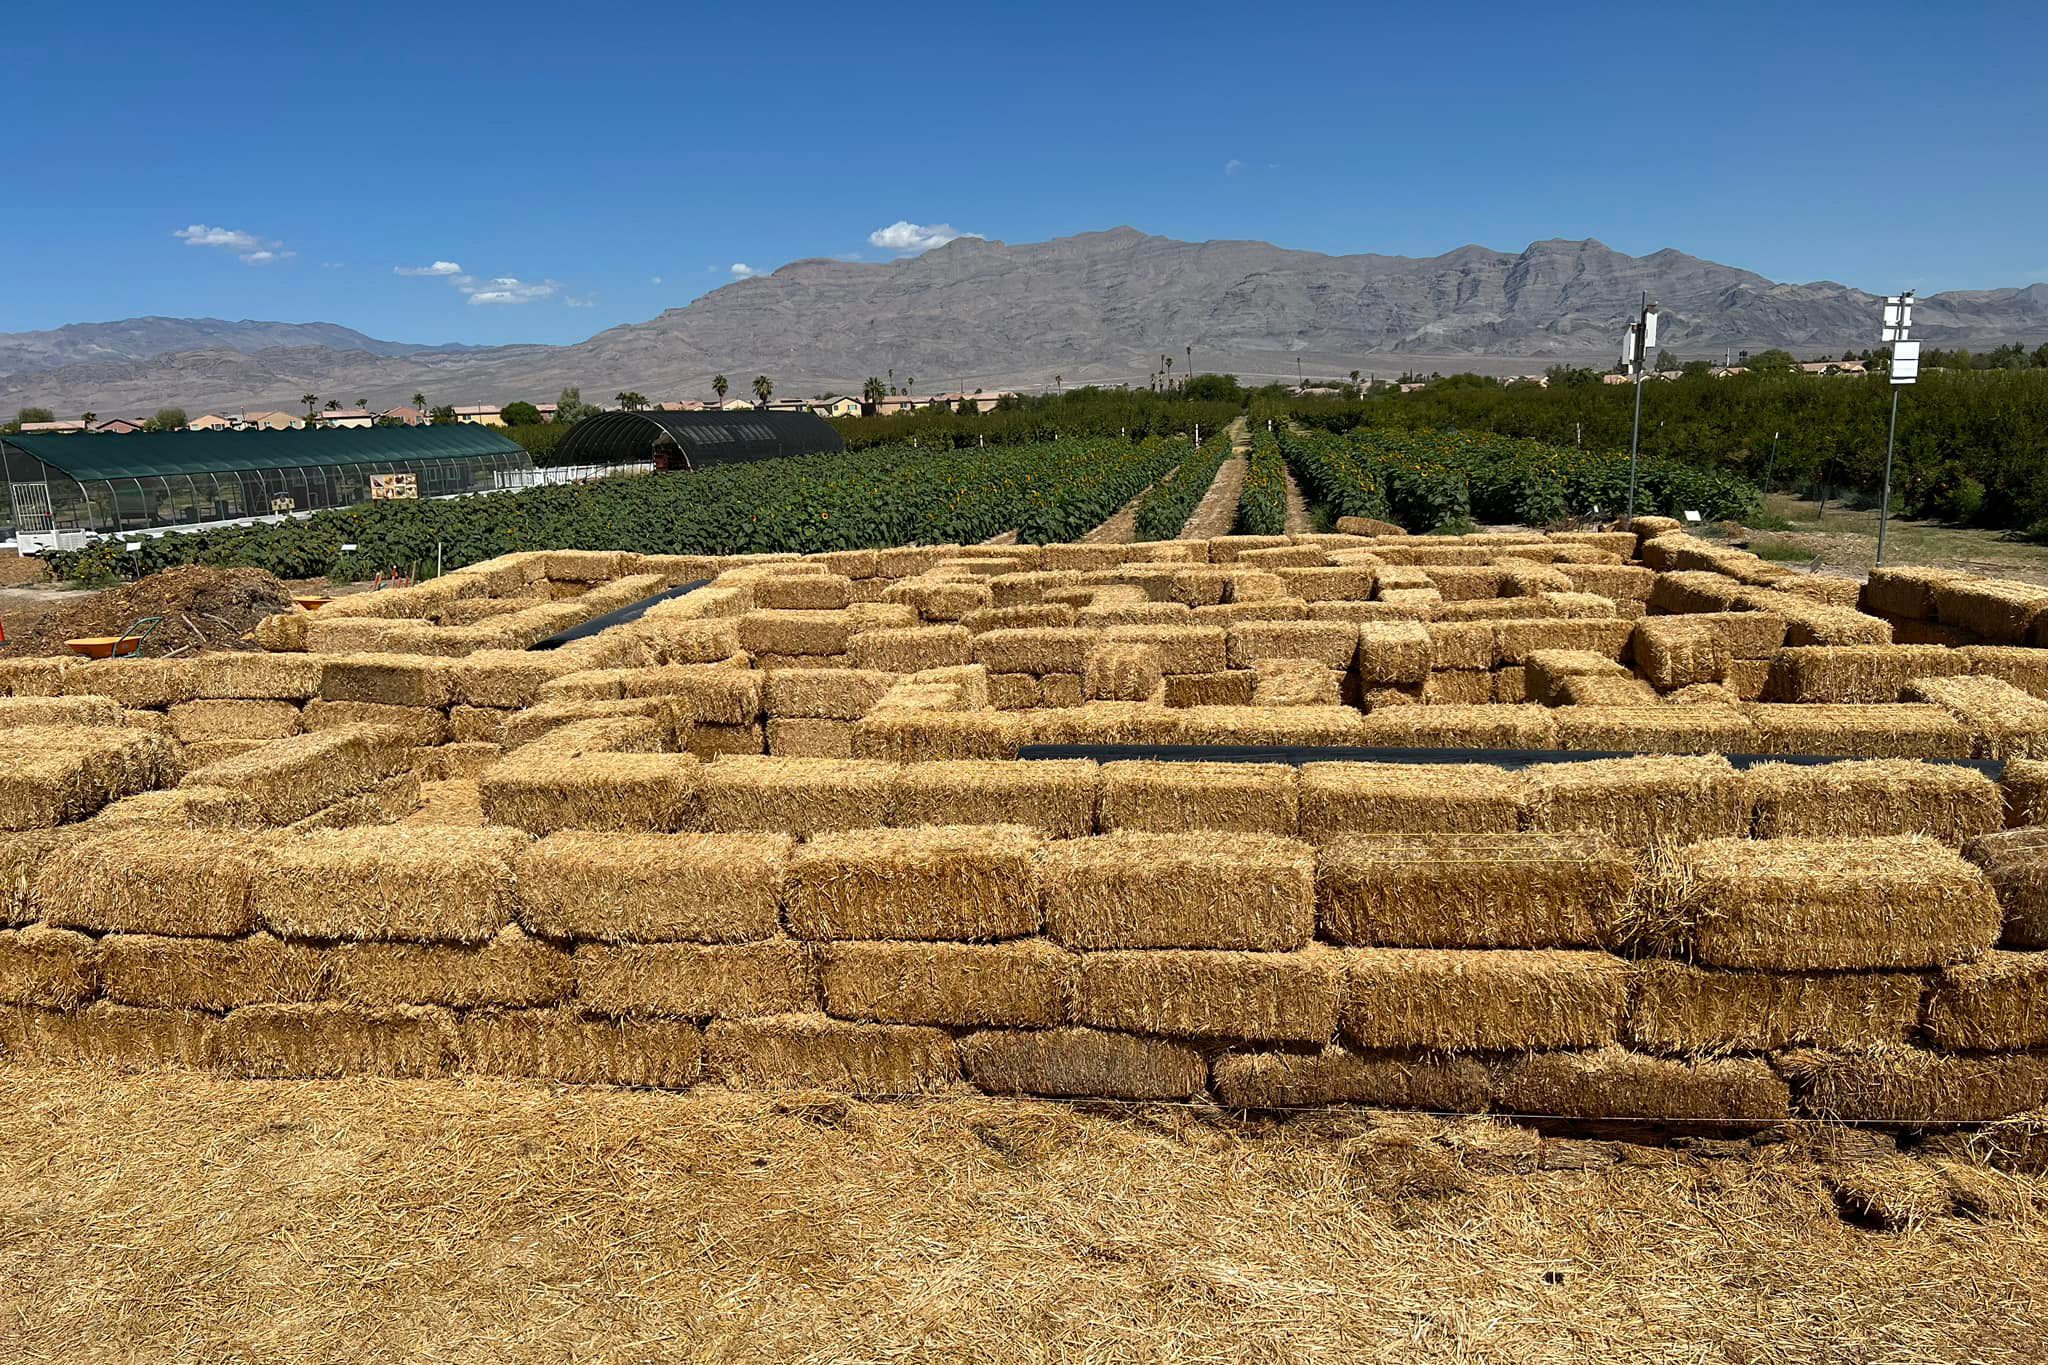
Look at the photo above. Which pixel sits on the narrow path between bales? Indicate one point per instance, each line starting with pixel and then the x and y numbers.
pixel 1298 522
pixel 1216 513
pixel 1122 527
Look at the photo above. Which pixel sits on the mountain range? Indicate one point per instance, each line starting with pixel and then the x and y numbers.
pixel 1095 307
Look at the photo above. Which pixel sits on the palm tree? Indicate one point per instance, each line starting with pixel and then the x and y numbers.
pixel 1354 376
pixel 719 386
pixel 871 392
pixel 312 402
pixel 1169 370
pixel 419 400
pixel 334 405
pixel 1059 381
pixel 88 417
pixel 763 386
pixel 909 382
pixel 1189 352
pixel 363 403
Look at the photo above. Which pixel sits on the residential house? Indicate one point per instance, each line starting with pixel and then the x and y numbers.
pixel 837 406
pixel 348 417
pixel 272 421
pixel 120 426
pixel 738 405
pixel 404 415
pixel 51 428
pixel 547 411
pixel 210 421
pixel 480 414
pixel 1723 371
pixel 686 405
pixel 1832 367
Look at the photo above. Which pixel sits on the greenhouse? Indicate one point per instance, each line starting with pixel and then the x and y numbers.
pixel 694 440
pixel 152 480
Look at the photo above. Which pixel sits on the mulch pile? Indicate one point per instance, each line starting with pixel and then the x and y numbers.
pixel 202 608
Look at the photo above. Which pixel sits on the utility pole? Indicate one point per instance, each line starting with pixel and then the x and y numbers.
pixel 1635 344
pixel 1898 321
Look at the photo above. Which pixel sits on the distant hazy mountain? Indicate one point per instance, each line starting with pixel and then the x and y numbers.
pixel 140 338
pixel 1100 306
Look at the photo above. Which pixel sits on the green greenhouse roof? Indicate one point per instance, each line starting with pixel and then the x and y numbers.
pixel 86 456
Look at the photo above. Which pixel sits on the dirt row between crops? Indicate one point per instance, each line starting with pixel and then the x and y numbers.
pixel 1298 521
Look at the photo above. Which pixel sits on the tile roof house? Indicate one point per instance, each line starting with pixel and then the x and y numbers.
pixel 348 417
pixel 120 426
pixel 30 428
pixel 272 421
pixel 210 421
pixel 480 414
pixel 405 415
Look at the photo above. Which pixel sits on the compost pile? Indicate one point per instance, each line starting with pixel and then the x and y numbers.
pixel 202 609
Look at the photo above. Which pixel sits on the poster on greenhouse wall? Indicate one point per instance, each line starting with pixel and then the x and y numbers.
pixel 383 486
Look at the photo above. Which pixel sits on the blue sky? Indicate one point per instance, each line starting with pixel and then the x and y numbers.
pixel 612 161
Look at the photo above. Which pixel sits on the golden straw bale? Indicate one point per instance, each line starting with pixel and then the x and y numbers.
pixel 1014 691
pixel 712 741
pixel 1613 1082
pixel 1226 614
pixel 1271 725
pixel 939 599
pixel 477 724
pixel 1295 682
pixel 194 722
pixel 1875 797
pixel 421 882
pixel 1675 1007
pixel 1276 997
pixel 1342 799
pixel 1120 672
pixel 1997 1003
pixel 1349 583
pixel 1628 582
pixel 19 711
pixel 1232 687
pixel 1547 669
pixel 511 969
pixel 1023 616
pixel 387 679
pixel 795 795
pixel 804 592
pixel 1276 557
pixel 715 888
pixel 1334 644
pixel 36 677
pixel 695 980
pixel 1482 999
pixel 1022 983
pixel 1655 729
pixel 1109 616
pixel 1613 692
pixel 1229 549
pixel 2025 784
pixel 1472 890
pixel 1691 592
pixel 1911 1085
pixel 701 693
pixel 52 968
pixel 2015 862
pixel 1139 890
pixel 1369 526
pixel 57 774
pixel 1055 796
pixel 1461 727
pixel 2024 668
pixel 388 802
pixel 1511 685
pixel 300 1042
pixel 213 974
pixel 1182 798
pixel 802 737
pixel 2004 722
pixel 1704 694
pixel 906 650
pixel 1793 905
pixel 561 1046
pixel 826 693
pixel 1397 651
pixel 133 879
pixel 969 882
pixel 818 1052
pixel 411 726
pixel 795 632
pixel 1038 651
pixel 1338 1075
pixel 1904 731
pixel 1640 802
pixel 1027 588
pixel 1181 649
pixel 1461 645
pixel 1518 639
pixel 135 682
pixel 921 737
pixel 106 1035
pixel 1905 593
pixel 1081 1063
pixel 1814 623
pixel 1463 582
pixel 1105 722
pixel 1458 687
pixel 969 680
pixel 1859 673
pixel 1999 609
pixel 541 790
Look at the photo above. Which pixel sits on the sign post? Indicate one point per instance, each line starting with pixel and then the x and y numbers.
pixel 1635 345
pixel 1898 321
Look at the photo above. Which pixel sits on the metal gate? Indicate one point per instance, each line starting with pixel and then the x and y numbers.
pixel 33 514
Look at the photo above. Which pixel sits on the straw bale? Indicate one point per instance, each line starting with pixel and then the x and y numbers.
pixel 1277 997
pixel 1182 798
pixel 687 641
pixel 967 882
pixel 714 741
pixel 1398 651
pixel 1022 983
pixel 1060 690
pixel 804 592
pixel 153 683
pixel 1053 615
pixel 1574 605
pixel 1081 1063
pixel 1341 584
pixel 568 729
pixel 582 566
pixel 914 648
pixel 1076 595
pixel 1813 623
pixel 193 722
pixel 1461 645
pixel 51 968
pixel 387 679
pixel 1623 582
pixel 1233 688
pixel 477 724
pixel 1675 1007
pixel 2024 668
pixel 880 615
pixel 2004 722
pixel 1640 802
pixel 939 599
pixel 541 790
pixel 503 677
pixel 1705 694
pixel 150 722
pixel 1875 797
pixel 1462 582
pixel 712 888
pixel 1334 644
pixel 213 974
pixel 1115 671
pixel 1105 722
pixel 1281 725
pixel 1338 1075
pixel 298 1042
pixel 1482 1000
pixel 701 693
pixel 19 711
pixel 1181 649
pixel 387 802
pixel 1860 673
pixel 1400 571
pixel 109 1036
pixel 36 677
pixel 905 561
pixel 1693 592
pixel 1613 1082
pixel 818 1052
pixel 1209 890
pixel 1933 633
pixel 561 1046
pixel 411 726
pixel 257 676
pixel 695 980
pixel 1027 588
pixel 1905 731
pixel 2016 863
pixel 1998 1002
pixel 1491 890
pixel 1911 1085
pixel 795 632
pixel 1295 682
pixel 1825 904
pixel 1547 669
pixel 1833 590
pixel 1748 679
pixel 463 762
pixel 1269 609
pixel 1203 587
pixel 1342 799
pixel 1229 549
pixel 1652 728
pixel 1057 797
pixel 134 879
pixel 1905 593
pixel 511 969
pixel 422 882
pixel 1999 609
pixel 1014 691
pixel 1369 526
pixel 920 737
pixel 1461 727
pixel 805 737
pixel 1519 639
pixel 1609 693
pixel 1458 687
pixel 1038 651
pixel 1099 616
pixel 795 795
pixel 1276 557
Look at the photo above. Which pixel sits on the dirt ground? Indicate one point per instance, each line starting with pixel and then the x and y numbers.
pixel 1843 539
pixel 202 608
pixel 176 1216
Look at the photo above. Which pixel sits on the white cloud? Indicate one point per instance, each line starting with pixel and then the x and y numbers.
pixel 1232 166
pixel 437 268
pixel 507 289
pixel 252 249
pixel 911 238
pixel 654 279
pixel 741 271
pixel 587 301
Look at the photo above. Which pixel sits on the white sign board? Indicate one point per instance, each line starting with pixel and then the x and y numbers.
pixel 1692 516
pixel 1905 361
pixel 348 547
pixel 134 547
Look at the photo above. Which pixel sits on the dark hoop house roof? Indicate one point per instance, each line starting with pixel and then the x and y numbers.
pixel 698 438
pixel 86 455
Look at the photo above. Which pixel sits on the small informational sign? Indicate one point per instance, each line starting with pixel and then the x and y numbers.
pixel 1905 362
pixel 134 547
pixel 1692 516
pixel 348 547
pixel 387 486
pixel 284 503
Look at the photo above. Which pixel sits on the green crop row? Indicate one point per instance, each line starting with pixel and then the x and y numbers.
pixel 1262 506
pixel 1173 499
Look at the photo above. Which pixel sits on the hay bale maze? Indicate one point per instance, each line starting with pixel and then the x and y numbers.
pixel 789 829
